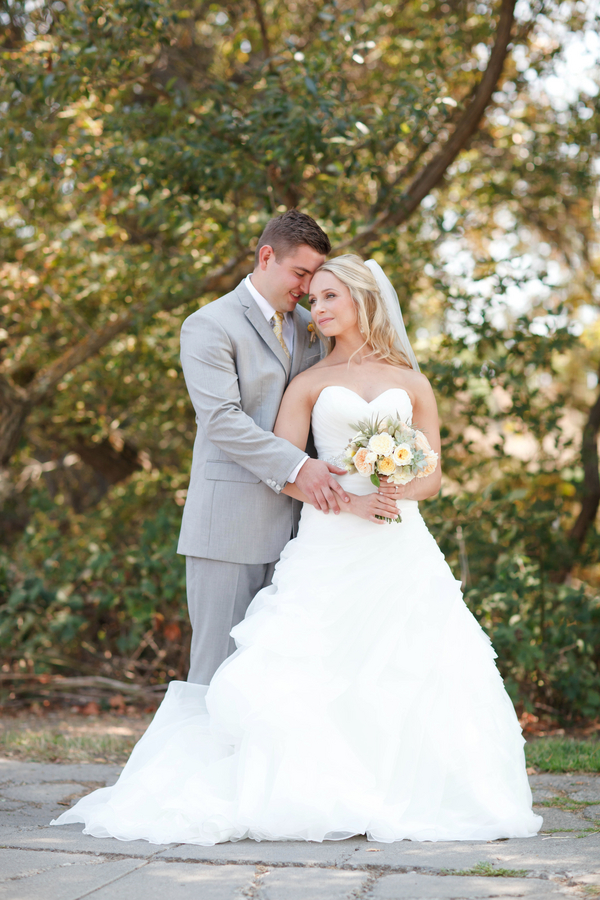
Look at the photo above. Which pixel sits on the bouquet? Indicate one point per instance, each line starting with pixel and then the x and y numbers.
pixel 389 447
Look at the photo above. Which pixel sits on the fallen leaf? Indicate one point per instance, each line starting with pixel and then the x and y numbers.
pixel 373 850
pixel 172 631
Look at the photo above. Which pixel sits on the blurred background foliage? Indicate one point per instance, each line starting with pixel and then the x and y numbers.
pixel 144 145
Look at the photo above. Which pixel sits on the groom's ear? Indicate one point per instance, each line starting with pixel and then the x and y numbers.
pixel 265 253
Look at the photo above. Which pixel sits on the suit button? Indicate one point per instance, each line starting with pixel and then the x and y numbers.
pixel 278 486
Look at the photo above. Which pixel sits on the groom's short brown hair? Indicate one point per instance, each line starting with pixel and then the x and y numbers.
pixel 290 230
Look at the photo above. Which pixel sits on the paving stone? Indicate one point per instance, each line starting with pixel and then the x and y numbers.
pixel 588 793
pixel 10 805
pixel 567 783
pixel 413 886
pixel 592 812
pixel 592 879
pixel 329 853
pixel 69 838
pixel 31 773
pixel 69 881
pixel 180 881
pixel 540 794
pixel 31 814
pixel 43 793
pixel 544 854
pixel 15 863
pixel 305 884
pixel 560 819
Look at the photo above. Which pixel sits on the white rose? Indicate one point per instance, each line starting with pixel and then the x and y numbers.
pixel 381 444
pixel 401 476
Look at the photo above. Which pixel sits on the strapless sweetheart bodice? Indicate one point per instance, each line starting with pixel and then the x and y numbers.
pixel 339 408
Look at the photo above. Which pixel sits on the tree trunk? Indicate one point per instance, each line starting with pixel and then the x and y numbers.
pixel 15 407
pixel 590 491
pixel 114 463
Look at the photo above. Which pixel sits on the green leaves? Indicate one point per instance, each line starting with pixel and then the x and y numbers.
pixel 142 148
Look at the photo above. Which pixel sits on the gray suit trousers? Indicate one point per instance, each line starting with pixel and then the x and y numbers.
pixel 218 595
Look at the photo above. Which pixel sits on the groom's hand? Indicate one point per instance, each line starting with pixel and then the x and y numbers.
pixel 324 492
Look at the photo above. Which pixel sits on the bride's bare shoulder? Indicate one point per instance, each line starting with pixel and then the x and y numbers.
pixel 311 382
pixel 416 385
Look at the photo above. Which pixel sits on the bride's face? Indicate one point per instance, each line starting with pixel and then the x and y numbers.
pixel 331 304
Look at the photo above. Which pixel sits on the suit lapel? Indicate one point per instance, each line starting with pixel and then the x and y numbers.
pixel 301 338
pixel 256 318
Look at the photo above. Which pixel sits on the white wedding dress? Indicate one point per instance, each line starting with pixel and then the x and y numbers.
pixel 363 698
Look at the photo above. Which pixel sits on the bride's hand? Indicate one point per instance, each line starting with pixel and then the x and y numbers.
pixel 370 506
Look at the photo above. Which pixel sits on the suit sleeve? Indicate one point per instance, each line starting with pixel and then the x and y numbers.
pixel 208 363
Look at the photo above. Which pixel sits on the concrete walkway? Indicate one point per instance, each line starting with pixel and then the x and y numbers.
pixel 37 861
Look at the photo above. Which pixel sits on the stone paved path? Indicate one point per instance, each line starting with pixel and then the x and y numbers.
pixel 37 861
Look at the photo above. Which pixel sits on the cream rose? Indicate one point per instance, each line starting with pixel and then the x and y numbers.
pixel 386 465
pixel 402 455
pixel 364 461
pixel 422 443
pixel 431 460
pixel 401 476
pixel 381 444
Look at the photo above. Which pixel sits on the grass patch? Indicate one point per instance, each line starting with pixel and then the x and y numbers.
pixel 488 871
pixel 562 754
pixel 46 745
pixel 567 804
pixel 558 830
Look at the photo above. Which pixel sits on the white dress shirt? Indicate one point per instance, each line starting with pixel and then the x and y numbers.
pixel 288 331
pixel 268 312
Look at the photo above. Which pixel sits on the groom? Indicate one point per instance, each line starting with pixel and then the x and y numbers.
pixel 238 355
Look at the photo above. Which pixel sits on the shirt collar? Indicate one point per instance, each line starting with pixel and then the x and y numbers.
pixel 264 305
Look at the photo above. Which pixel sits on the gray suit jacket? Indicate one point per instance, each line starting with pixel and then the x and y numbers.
pixel 236 373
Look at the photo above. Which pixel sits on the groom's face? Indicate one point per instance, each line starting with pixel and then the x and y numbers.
pixel 284 281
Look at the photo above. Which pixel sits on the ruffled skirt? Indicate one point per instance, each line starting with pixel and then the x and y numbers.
pixel 363 698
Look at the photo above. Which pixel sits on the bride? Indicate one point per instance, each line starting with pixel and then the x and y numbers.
pixel 363 697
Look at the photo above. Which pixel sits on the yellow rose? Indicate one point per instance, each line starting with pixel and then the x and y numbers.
pixel 386 465
pixel 402 455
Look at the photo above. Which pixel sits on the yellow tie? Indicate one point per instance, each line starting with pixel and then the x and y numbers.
pixel 278 329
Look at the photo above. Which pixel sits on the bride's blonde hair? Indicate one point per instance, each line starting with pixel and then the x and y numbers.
pixel 373 319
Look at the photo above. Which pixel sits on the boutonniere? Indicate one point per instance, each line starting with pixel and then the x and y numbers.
pixel 312 332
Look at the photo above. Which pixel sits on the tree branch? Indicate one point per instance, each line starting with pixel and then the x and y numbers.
pixel 266 46
pixel 16 403
pixel 434 171
pixel 91 344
